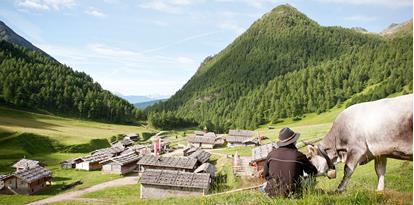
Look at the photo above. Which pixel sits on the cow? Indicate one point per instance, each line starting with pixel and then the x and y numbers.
pixel 363 132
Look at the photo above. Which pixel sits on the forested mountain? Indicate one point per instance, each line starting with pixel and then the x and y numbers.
pixel 286 65
pixel 7 34
pixel 33 80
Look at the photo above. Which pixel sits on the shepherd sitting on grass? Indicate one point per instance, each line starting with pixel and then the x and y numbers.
pixel 285 166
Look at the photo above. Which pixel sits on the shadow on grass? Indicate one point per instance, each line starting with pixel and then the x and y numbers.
pixel 93 144
pixel 17 118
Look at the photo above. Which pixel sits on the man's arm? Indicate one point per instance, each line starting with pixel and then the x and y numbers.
pixel 265 172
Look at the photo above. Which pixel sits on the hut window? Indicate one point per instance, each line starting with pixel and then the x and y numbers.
pixel 21 182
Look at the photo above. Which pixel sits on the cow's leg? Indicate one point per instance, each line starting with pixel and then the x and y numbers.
pixel 350 165
pixel 380 167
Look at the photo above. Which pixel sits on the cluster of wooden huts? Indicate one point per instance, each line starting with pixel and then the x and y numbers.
pixel 166 176
pixel 29 177
pixel 210 140
pixel 120 158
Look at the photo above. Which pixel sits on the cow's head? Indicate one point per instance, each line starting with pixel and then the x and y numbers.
pixel 324 163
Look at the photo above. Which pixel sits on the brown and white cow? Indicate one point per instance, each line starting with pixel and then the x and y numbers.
pixel 367 131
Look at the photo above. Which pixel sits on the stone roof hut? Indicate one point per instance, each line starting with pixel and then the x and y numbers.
pixel 24 164
pixel 241 138
pixel 121 164
pixel 187 164
pixel 259 155
pixel 206 168
pixel 91 162
pixel 201 156
pixel 27 181
pixel 167 183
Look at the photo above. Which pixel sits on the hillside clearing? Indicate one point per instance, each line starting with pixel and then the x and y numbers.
pixel 65 130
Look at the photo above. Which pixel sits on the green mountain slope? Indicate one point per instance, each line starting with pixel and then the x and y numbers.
pixel 286 65
pixel 32 80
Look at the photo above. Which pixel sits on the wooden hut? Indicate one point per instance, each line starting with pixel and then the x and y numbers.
pixel 132 136
pixel 121 164
pixel 187 164
pixel 133 149
pixel 27 181
pixel 69 164
pixel 112 151
pixel 189 150
pixel 241 138
pixel 201 156
pixel 259 155
pixel 206 168
pixel 24 164
pixel 125 142
pixel 91 162
pixel 167 183
pixel 201 141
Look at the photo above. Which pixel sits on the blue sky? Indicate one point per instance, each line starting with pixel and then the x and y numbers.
pixel 153 47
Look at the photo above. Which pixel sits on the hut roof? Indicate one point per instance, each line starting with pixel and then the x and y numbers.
pixel 237 139
pixel 242 133
pixel 171 162
pixel 201 139
pixel 96 157
pixel 126 141
pixel 260 153
pixel 132 135
pixel 26 163
pixel 132 149
pixel 32 174
pixel 110 150
pixel 201 133
pixel 123 159
pixel 206 168
pixel 175 178
pixel 219 141
pixel 201 155
pixel 210 134
pixel 189 150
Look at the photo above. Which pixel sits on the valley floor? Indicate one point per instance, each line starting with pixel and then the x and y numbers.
pixel 20 136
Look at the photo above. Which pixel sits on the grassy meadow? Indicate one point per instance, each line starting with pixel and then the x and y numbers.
pixel 65 130
pixel 52 139
pixel 46 138
pixel 361 190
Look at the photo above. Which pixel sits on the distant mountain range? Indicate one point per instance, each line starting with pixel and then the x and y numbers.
pixel 136 99
pixel 143 105
pixel 10 36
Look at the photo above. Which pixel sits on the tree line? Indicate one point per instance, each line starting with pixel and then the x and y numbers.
pixel 32 80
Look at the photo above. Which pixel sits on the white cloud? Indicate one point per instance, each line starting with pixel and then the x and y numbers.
pixel 127 71
pixel 168 6
pixel 253 3
pixel 361 18
pixel 386 3
pixel 44 4
pixel 95 12
pixel 185 60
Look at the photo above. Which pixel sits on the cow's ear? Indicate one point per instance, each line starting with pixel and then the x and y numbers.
pixel 311 150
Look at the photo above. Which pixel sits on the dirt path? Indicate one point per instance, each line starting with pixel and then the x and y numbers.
pixel 72 195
